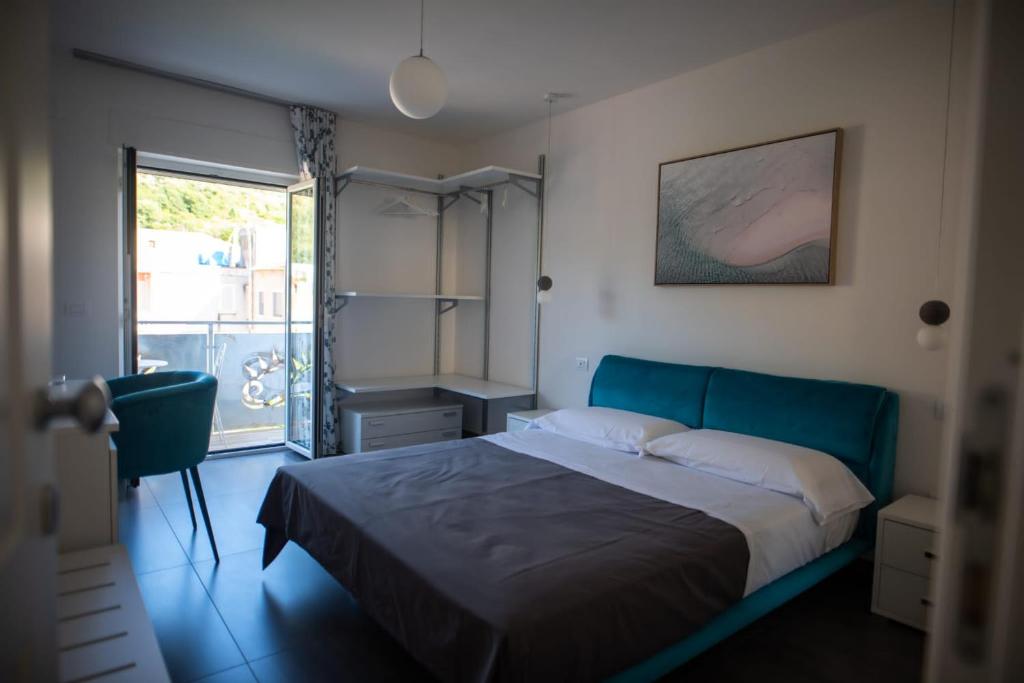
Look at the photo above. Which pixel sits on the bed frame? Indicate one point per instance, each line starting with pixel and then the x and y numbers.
pixel 856 423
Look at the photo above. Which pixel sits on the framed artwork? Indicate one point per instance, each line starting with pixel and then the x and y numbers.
pixel 761 214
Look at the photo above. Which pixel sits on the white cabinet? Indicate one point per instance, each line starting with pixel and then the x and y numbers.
pixel 392 424
pixel 103 631
pixel 87 480
pixel 904 560
pixel 518 420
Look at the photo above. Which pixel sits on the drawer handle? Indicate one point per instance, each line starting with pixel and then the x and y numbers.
pixel 448 434
pixel 376 423
pixel 926 602
pixel 929 554
pixel 374 444
pixel 450 413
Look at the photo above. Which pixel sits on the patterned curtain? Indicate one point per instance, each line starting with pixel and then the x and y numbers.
pixel 314 143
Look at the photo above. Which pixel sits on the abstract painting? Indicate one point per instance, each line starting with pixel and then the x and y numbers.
pixel 762 214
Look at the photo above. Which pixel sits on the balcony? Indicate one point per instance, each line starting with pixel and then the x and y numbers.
pixel 247 358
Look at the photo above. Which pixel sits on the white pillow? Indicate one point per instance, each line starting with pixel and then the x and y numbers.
pixel 608 427
pixel 825 484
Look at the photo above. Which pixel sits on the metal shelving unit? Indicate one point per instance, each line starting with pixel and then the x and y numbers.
pixel 476 186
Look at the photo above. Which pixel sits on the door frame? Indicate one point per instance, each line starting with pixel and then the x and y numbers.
pixel 133 163
pixel 129 286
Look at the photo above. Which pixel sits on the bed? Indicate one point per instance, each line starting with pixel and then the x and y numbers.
pixel 531 556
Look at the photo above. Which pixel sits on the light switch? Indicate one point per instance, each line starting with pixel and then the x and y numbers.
pixel 582 362
pixel 74 310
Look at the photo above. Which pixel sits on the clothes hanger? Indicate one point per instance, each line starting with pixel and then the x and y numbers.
pixel 402 206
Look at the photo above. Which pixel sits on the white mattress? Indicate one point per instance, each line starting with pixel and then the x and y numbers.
pixel 779 529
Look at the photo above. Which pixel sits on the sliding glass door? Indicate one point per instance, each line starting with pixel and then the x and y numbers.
pixel 302 421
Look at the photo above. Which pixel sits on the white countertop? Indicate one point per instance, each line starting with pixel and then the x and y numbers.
pixel 460 384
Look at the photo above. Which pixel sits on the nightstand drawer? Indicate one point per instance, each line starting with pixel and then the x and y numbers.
pixel 903 596
pixel 410 423
pixel 382 442
pixel 907 547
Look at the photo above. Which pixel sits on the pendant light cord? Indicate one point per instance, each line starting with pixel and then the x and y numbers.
pixel 421 28
pixel 945 148
pixel 551 101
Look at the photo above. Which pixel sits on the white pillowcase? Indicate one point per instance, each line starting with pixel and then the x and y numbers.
pixel 608 427
pixel 824 483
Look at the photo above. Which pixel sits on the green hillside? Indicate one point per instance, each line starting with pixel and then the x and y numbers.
pixel 174 203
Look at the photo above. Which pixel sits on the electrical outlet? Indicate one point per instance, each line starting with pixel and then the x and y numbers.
pixel 582 363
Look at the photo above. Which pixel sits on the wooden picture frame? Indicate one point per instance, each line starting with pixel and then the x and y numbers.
pixel 758 214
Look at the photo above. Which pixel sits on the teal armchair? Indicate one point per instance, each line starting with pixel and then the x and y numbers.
pixel 165 421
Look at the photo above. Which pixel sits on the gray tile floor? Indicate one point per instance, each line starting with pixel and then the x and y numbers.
pixel 235 622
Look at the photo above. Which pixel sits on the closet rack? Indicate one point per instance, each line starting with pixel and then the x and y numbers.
pixel 476 186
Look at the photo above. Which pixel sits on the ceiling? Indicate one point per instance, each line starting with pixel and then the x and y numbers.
pixel 500 57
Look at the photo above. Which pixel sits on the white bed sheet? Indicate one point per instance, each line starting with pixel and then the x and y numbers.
pixel 780 531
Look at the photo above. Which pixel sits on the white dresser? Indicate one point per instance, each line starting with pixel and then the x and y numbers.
pixel 904 560
pixel 87 480
pixel 392 424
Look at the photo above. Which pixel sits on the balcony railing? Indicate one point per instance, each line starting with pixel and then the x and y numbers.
pixel 248 359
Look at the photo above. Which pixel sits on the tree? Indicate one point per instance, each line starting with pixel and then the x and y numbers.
pixel 166 202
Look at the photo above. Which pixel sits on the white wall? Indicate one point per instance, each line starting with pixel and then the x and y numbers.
pixel 882 78
pixel 379 253
pixel 96 109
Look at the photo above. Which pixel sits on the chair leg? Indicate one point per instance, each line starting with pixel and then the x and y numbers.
pixel 202 508
pixel 188 496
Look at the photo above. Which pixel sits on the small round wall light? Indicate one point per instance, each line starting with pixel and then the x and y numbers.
pixel 933 314
pixel 544 284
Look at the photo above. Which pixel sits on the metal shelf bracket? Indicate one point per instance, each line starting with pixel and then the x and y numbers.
pixel 340 302
pixel 516 183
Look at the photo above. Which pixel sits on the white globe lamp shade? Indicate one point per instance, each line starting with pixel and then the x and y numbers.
pixel 418 87
pixel 931 337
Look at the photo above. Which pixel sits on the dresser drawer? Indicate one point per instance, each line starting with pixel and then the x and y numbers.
pixel 382 442
pixel 907 547
pixel 902 596
pixel 411 423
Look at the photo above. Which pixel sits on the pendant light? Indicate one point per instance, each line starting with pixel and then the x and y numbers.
pixel 418 86
pixel 934 313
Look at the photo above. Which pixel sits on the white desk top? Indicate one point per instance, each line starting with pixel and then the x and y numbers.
pixel 460 384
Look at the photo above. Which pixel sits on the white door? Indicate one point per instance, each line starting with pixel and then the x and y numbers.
pixel 27 494
pixel 302 335
pixel 978 621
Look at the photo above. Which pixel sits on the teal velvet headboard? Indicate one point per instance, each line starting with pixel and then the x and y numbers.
pixel 668 390
pixel 856 423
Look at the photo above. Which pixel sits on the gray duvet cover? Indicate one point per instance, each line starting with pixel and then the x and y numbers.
pixel 490 565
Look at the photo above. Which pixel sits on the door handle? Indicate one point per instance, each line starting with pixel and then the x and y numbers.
pixel 87 406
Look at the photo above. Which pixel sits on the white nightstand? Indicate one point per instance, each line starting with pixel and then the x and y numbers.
pixel 518 420
pixel 904 560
